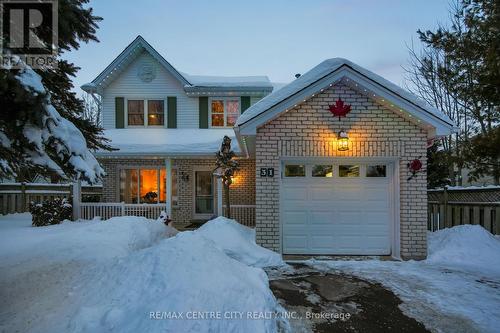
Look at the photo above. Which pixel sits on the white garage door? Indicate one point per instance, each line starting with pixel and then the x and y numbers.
pixel 331 208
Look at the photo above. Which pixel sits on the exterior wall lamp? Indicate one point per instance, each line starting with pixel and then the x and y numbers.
pixel 342 141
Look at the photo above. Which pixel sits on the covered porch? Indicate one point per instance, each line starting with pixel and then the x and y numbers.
pixel 183 187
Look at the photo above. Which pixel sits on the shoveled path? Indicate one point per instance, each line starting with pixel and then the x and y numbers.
pixel 322 302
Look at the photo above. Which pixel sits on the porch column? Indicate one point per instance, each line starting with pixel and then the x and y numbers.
pixel 168 166
pixel 77 198
pixel 219 197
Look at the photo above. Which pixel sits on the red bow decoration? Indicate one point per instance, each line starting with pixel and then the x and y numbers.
pixel 339 109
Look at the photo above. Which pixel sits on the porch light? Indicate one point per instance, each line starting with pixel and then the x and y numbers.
pixel 342 141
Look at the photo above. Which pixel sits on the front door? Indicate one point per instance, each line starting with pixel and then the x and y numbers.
pixel 203 194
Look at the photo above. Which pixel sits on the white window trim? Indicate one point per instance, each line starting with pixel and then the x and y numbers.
pixel 145 109
pixel 158 168
pixel 225 99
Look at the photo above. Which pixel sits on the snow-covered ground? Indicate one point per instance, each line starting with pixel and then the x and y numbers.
pixel 127 275
pixel 457 289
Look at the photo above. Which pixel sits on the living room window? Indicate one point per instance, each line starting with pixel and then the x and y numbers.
pixel 224 111
pixel 146 185
pixel 145 112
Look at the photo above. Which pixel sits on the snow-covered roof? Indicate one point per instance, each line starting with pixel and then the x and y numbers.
pixel 260 84
pixel 129 54
pixel 228 81
pixel 333 70
pixel 166 142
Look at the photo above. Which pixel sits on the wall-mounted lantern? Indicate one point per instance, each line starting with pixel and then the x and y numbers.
pixel 342 141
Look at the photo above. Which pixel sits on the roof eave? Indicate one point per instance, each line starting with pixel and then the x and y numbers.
pixel 139 41
pixel 229 89
pixel 249 127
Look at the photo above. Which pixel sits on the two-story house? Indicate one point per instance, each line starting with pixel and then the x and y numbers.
pixel 167 126
pixel 328 162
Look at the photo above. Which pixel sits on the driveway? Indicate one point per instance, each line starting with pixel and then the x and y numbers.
pixel 330 302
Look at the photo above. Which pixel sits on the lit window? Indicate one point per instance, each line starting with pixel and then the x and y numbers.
pixel 224 112
pixel 375 171
pixel 322 171
pixel 349 170
pixel 135 110
pixel 155 113
pixel 294 170
pixel 146 186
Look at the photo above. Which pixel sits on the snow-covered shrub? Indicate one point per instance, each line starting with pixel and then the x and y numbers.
pixel 50 212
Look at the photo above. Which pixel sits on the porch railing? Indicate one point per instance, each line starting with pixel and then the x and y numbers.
pixel 106 210
pixel 244 214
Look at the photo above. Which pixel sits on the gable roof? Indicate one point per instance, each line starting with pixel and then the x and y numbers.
pixel 130 53
pixel 260 84
pixel 323 76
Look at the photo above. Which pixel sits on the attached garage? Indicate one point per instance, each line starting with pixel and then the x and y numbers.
pixel 339 208
pixel 332 151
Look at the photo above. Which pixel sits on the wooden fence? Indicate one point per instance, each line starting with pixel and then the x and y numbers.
pixel 451 207
pixel 15 197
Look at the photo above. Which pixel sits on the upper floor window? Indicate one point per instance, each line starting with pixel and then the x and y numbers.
pixel 141 112
pixel 224 111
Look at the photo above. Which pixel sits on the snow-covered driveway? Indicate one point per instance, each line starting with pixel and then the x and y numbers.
pixel 126 275
pixel 457 289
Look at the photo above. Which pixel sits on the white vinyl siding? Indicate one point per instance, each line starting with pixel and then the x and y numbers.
pixel 130 86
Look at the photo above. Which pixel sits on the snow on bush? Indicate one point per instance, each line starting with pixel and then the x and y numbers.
pixel 238 242
pixel 50 212
pixel 470 246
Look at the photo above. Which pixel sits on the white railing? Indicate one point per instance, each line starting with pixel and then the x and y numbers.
pixel 244 214
pixel 106 210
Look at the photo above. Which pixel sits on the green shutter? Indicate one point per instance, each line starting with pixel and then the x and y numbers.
pixel 119 112
pixel 245 103
pixel 203 106
pixel 172 112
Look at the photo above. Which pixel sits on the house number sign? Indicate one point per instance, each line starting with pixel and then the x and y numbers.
pixel 267 172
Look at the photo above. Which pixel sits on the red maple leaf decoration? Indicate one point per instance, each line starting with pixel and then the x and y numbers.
pixel 339 109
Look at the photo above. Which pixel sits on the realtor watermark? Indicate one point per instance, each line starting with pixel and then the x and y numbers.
pixel 28 33
pixel 249 315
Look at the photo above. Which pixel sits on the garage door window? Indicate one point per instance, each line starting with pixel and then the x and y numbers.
pixel 349 170
pixel 322 171
pixel 375 171
pixel 295 170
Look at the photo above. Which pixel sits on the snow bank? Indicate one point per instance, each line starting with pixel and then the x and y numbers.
pixel 186 274
pixel 468 246
pixel 27 248
pixel 125 275
pixel 238 242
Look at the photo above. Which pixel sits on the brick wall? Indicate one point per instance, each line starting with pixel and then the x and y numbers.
pixel 310 130
pixel 242 192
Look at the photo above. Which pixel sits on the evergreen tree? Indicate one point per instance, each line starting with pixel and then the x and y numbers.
pixel 438 167
pixel 471 47
pixel 225 166
pixel 41 125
